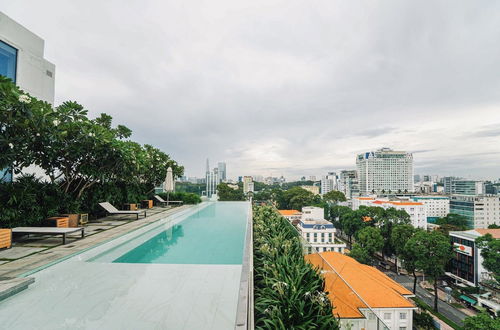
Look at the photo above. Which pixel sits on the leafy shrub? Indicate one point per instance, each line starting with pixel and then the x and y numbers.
pixel 28 200
pixel 289 292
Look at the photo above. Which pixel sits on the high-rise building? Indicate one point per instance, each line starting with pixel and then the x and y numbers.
pixel 21 60
pixel 222 171
pixel 436 206
pixel 348 183
pixel 385 171
pixel 328 182
pixel 480 211
pixel 212 180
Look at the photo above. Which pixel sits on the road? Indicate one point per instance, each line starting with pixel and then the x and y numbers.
pixel 447 310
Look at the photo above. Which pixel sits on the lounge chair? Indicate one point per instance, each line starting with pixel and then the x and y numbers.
pixel 163 202
pixel 48 231
pixel 111 210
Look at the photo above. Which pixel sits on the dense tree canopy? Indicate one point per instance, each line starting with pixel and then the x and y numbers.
pixel 226 193
pixel 73 150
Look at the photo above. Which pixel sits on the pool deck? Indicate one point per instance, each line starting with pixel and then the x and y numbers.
pixel 78 293
pixel 28 255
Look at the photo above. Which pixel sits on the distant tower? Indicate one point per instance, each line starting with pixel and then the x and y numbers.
pixel 222 171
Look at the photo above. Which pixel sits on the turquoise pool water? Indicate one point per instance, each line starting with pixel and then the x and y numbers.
pixel 213 235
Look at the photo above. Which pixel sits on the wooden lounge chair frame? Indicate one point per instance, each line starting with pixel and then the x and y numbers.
pixel 163 202
pixel 111 210
pixel 48 231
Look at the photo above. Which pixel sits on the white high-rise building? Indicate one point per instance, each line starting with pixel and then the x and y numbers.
pixel 385 171
pixel 212 180
pixel 328 182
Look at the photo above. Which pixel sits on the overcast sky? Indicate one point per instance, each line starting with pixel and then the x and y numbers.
pixel 285 87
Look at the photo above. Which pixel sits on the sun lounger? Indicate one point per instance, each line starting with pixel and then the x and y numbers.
pixel 163 202
pixel 48 231
pixel 111 210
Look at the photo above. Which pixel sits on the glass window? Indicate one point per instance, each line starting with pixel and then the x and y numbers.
pixel 402 316
pixel 387 316
pixel 8 61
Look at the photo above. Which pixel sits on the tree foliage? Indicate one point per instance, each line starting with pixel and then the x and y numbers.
pixel 289 292
pixel 226 193
pixel 334 196
pixel 432 251
pixel 72 149
pixel 490 251
pixel 481 321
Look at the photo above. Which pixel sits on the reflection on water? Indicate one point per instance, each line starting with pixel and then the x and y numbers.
pixel 156 246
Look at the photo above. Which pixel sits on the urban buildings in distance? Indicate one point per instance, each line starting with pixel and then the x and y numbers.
pixel 384 171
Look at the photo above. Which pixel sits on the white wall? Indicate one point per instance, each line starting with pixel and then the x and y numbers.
pixel 33 71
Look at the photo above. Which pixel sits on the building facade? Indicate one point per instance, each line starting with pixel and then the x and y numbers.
pixel 416 210
pixel 313 189
pixel 318 232
pixel 466 264
pixel 480 211
pixel 362 296
pixel 328 182
pixel 248 185
pixel 211 180
pixel 22 60
pixel 436 206
pixel 222 171
pixel 385 171
pixel 348 183
pixel 464 187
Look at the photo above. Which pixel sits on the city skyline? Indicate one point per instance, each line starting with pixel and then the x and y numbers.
pixel 401 76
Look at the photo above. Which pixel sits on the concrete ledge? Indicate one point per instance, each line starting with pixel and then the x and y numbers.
pixel 11 286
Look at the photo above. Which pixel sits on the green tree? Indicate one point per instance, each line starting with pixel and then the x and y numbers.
pixel 433 252
pixel 452 222
pixel 351 223
pixel 423 320
pixel 226 193
pixel 390 218
pixel 493 226
pixel 490 251
pixel 360 254
pixel 400 235
pixel 295 198
pixel 370 240
pixel 334 196
pixel 481 321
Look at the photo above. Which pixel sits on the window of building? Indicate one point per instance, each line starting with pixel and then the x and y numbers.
pixel 402 316
pixel 8 61
pixel 387 316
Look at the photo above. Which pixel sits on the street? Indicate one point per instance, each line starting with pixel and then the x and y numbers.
pixel 444 308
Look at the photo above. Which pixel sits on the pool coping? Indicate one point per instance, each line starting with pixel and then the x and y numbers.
pixel 244 310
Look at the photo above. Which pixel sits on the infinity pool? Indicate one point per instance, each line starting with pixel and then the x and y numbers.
pixel 214 235
pixel 181 272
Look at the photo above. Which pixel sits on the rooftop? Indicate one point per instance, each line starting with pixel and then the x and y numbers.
pixel 289 212
pixel 475 233
pixel 358 285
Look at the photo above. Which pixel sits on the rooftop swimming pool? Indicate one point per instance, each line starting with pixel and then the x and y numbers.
pixel 181 272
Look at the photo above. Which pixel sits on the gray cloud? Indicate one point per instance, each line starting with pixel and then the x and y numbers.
pixel 270 85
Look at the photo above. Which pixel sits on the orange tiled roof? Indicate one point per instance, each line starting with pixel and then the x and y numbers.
pixel 493 232
pixel 366 198
pixel 373 286
pixel 288 212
